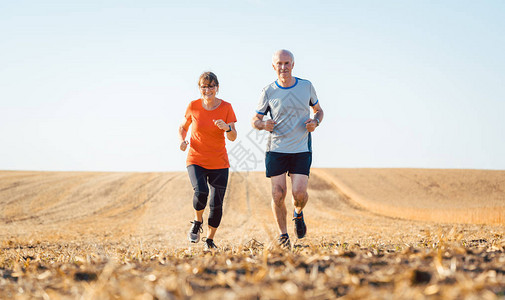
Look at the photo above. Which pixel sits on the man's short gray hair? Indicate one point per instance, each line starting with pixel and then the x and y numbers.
pixel 278 52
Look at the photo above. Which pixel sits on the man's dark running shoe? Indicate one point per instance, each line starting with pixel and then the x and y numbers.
pixel 194 232
pixel 284 241
pixel 209 245
pixel 300 227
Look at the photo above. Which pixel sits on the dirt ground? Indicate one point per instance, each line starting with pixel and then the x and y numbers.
pixel 157 207
pixel 457 196
pixel 145 217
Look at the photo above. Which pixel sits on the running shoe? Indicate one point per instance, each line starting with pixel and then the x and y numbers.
pixel 284 241
pixel 300 227
pixel 209 245
pixel 194 232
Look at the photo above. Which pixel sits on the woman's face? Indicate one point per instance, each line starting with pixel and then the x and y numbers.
pixel 208 90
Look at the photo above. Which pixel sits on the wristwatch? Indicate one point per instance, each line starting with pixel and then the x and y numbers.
pixel 317 120
pixel 229 129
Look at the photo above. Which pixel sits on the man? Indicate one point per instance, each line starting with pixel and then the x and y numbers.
pixel 288 100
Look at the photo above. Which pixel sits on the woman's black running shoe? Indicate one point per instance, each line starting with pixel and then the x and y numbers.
pixel 209 245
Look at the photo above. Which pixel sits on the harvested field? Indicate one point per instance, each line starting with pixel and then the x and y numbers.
pixel 458 196
pixel 69 235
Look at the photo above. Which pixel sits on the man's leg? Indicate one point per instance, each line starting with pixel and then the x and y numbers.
pixel 278 204
pixel 300 197
pixel 299 183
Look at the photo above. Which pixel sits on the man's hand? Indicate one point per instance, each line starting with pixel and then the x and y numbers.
pixel 311 125
pixel 269 125
pixel 184 145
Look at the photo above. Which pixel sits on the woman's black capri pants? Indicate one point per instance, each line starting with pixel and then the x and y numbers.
pixel 201 178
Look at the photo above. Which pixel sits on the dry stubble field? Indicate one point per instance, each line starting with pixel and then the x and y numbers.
pixel 372 234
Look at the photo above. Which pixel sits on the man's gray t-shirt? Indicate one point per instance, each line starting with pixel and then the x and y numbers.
pixel 289 108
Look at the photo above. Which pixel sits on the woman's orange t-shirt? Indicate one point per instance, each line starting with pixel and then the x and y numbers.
pixel 207 143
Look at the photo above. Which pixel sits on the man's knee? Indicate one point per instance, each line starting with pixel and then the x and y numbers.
pixel 278 194
pixel 300 195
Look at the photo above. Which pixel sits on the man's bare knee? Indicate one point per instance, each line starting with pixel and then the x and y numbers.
pixel 300 194
pixel 278 195
pixel 300 197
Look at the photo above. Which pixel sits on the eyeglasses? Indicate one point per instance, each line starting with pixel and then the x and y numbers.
pixel 208 87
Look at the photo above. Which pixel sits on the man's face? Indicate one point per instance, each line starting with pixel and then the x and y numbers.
pixel 283 65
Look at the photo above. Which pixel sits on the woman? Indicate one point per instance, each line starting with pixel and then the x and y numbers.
pixel 211 119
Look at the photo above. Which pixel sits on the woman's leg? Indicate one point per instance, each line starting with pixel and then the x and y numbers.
pixel 198 178
pixel 218 180
pixel 199 215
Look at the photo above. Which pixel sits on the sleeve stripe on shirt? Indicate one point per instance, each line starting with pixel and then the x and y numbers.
pixel 261 113
pixel 315 103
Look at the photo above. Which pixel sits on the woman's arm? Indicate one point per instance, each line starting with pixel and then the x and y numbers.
pixel 231 135
pixel 231 132
pixel 183 131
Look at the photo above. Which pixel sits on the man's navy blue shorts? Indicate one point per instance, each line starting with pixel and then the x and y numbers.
pixel 294 163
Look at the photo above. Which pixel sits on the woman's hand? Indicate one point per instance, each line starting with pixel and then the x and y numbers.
pixel 184 145
pixel 222 125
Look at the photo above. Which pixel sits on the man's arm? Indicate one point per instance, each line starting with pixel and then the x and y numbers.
pixel 318 112
pixel 258 123
pixel 311 124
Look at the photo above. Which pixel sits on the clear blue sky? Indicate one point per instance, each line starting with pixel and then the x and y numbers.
pixel 103 85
